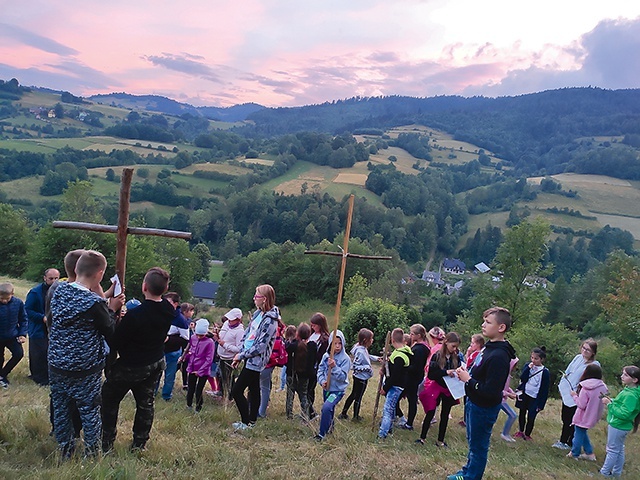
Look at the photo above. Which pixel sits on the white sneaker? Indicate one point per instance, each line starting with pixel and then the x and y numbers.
pixel 243 426
pixel 507 438
pixel 561 446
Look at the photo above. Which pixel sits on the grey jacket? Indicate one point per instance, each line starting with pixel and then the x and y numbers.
pixel 257 356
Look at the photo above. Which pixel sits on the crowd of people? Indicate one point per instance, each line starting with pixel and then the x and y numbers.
pixel 91 349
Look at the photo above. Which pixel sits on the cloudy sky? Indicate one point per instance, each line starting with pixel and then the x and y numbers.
pixel 297 52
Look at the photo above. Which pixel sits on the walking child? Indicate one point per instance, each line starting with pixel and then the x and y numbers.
pixel 199 358
pixel 623 415
pixel 483 387
pixel 362 372
pixel 333 391
pixel 443 364
pixel 396 380
pixel 534 390
pixel 588 397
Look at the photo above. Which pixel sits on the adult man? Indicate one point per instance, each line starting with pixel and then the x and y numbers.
pixel 13 328
pixel 37 331
pixel 139 341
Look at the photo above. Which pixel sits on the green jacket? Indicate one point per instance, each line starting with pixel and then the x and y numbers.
pixel 624 409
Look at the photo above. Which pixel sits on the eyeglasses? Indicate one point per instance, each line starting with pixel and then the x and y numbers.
pixel 258 296
pixel 586 349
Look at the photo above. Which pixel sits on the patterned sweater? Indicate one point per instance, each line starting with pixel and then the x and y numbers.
pixel 80 323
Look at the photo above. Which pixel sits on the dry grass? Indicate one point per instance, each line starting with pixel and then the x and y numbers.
pixel 184 446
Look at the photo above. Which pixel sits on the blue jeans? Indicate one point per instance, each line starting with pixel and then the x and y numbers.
pixel 283 377
pixel 265 391
pixel 614 460
pixel 480 421
pixel 580 440
pixel 389 410
pixel 511 417
pixel 170 373
pixel 331 399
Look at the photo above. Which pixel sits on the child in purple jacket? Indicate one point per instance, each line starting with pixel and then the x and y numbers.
pixel 588 400
pixel 200 358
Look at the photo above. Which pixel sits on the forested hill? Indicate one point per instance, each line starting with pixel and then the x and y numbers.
pixel 157 103
pixel 536 132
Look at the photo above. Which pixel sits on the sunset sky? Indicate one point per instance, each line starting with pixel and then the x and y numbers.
pixel 288 53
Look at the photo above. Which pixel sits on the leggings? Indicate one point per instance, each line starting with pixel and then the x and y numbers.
pixel 248 407
pixel 359 387
pixel 567 427
pixel 196 385
pixel 528 413
pixel 447 403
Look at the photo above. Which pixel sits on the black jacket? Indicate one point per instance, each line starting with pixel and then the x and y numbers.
pixel 489 374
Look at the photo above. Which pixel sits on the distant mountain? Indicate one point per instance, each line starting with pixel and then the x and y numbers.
pixel 157 103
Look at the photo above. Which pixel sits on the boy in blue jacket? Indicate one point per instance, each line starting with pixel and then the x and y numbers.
pixel 13 330
pixel 333 391
pixel 396 380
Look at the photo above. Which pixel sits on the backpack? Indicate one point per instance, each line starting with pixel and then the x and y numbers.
pixel 279 356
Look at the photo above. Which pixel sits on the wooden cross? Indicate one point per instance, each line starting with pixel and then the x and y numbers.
pixel 344 254
pixel 122 229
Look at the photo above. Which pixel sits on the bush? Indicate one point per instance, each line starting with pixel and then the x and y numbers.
pixel 377 315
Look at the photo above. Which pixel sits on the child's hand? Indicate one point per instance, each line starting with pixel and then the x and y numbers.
pixel 382 392
pixel 574 394
pixel 324 385
pixel 463 374
pixel 22 339
pixel 606 400
pixel 511 395
pixel 451 373
pixel 331 363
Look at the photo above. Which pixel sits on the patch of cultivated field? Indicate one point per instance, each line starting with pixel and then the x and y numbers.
pixel 404 162
pixel 258 161
pixel 625 223
pixel 351 178
pixel 216 167
pixel 27 188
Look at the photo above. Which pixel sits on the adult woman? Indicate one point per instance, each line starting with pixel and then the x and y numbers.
pixel 569 383
pixel 257 344
pixel 320 337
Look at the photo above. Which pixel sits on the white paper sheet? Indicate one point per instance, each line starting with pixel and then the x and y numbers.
pixel 455 386
pixel 117 289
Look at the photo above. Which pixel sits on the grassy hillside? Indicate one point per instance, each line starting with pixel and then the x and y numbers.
pixel 186 446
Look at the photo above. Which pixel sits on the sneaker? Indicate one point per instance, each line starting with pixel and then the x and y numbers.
pixel 243 426
pixel 591 457
pixel 185 388
pixel 507 438
pixel 442 444
pixel 527 437
pixel 420 441
pixel 356 419
pixel 400 421
pixel 455 477
pixel 561 446
pixel 4 383
pixel 343 416
pixel 406 426
pixel 318 438
pixel 519 435
pixel 570 455
pixel 137 447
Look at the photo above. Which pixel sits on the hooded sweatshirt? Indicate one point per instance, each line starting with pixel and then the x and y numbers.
pixel 361 362
pixel 489 374
pixel 258 343
pixel 80 323
pixel 624 409
pixel 340 372
pixel 589 403
pixel 399 362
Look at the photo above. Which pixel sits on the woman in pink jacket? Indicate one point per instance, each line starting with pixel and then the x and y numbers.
pixel 588 400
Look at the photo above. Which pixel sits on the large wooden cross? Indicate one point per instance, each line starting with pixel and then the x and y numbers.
pixel 122 229
pixel 344 254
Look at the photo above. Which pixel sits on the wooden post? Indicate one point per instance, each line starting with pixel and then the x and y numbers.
pixel 122 230
pixel 343 267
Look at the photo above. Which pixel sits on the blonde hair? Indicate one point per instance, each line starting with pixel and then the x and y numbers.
pixel 269 296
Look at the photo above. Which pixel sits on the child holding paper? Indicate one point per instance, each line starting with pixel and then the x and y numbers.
pixel 443 364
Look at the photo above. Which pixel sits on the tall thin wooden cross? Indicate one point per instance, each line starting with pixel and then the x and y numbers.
pixel 344 254
pixel 122 229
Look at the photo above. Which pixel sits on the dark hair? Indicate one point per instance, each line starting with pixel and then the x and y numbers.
pixel 70 261
pixel 90 263
pixel 304 331
pixel 634 372
pixel 503 317
pixel 157 281
pixel 187 307
pixel 364 335
pixel 541 352
pixel 320 320
pixel 451 337
pixel 172 296
pixel 592 370
pixel 290 332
